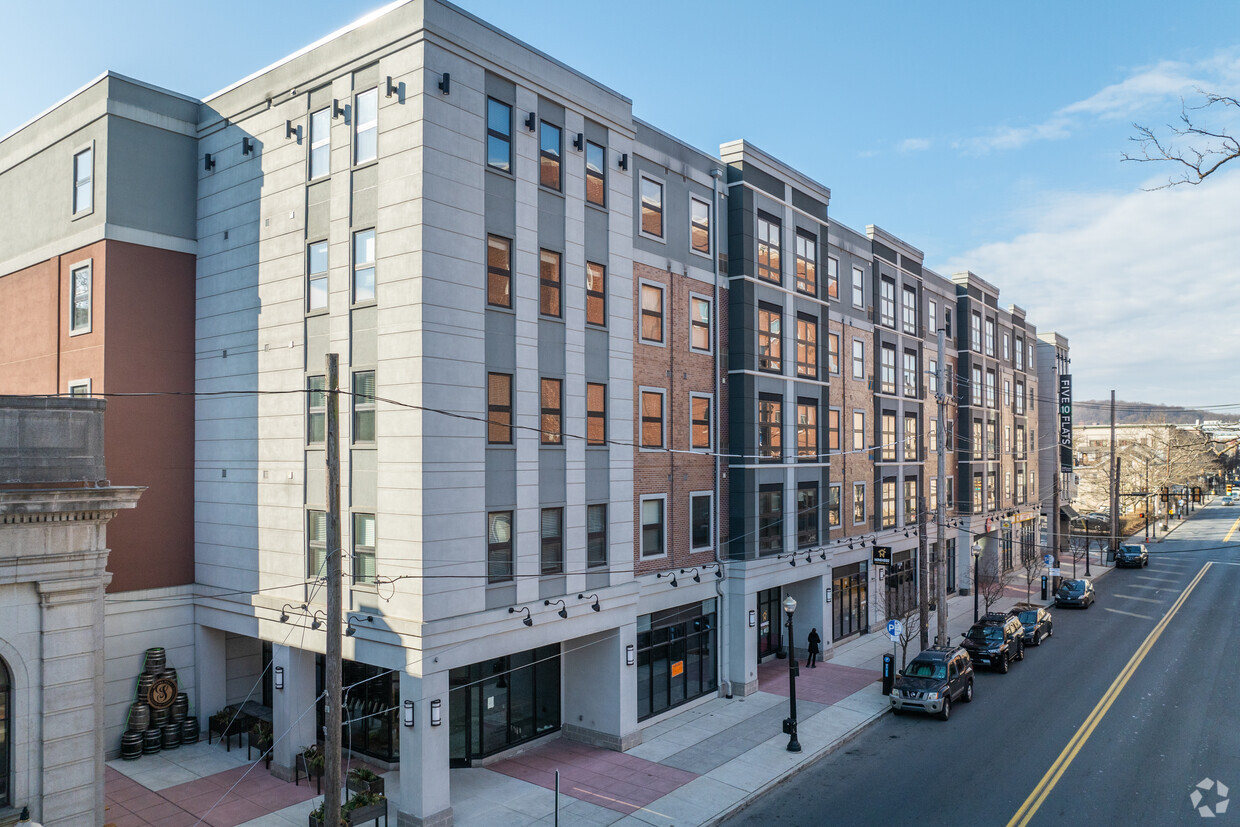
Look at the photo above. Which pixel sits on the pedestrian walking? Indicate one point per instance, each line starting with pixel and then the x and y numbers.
pixel 814 640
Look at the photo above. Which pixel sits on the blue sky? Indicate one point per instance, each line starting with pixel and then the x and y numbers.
pixel 986 134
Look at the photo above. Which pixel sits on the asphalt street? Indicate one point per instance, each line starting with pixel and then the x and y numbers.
pixel 1114 720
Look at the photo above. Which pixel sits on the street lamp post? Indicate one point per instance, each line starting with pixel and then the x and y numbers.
pixel 790 606
pixel 977 579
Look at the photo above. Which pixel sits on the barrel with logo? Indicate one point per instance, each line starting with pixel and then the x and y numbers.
pixel 156 659
pixel 189 730
pixel 139 717
pixel 144 687
pixel 131 746
pixel 180 707
pixel 152 740
pixel 172 735
pixel 159 717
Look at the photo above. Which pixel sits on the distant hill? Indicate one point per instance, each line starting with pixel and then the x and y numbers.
pixel 1095 412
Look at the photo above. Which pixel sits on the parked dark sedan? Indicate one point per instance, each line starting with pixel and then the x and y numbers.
pixel 1075 593
pixel 1134 555
pixel 1036 621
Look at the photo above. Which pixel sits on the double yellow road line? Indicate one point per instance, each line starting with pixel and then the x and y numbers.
pixel 1048 782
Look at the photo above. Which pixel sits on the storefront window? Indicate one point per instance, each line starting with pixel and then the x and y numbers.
pixel 5 719
pixel 371 702
pixel 849 600
pixel 768 622
pixel 497 704
pixel 675 657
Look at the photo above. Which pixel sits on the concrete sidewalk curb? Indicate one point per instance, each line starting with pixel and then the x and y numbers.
pixel 807 762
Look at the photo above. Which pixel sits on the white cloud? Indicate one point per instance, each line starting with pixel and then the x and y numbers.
pixel 914 144
pixel 1144 285
pixel 1149 86
pixel 1015 137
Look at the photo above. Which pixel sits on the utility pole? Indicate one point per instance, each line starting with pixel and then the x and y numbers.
pixel 1114 484
pixel 940 517
pixel 331 798
pixel 1053 523
pixel 923 572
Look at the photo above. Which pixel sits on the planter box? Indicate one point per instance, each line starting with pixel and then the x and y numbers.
pixel 371 812
pixel 358 786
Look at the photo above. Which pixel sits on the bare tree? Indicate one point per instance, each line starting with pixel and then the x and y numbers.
pixel 908 612
pixel 1199 151
pixel 1031 562
pixel 994 583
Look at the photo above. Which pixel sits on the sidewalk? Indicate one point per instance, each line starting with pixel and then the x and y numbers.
pixel 696 767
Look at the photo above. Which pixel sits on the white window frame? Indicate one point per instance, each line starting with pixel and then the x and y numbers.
pixel 641 230
pixel 908 312
pixel 641 527
pixel 317 141
pixel 76 210
pixel 710 546
pixel 932 309
pixel 662 446
pixel 975 331
pixel 78 384
pixel 360 127
pixel 858 286
pixel 89 266
pixel 710 328
pixel 710 447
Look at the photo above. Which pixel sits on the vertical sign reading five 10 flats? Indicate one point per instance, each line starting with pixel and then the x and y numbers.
pixel 1065 422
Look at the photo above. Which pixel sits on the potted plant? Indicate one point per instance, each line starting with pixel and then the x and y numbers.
pixel 261 736
pixel 226 721
pixel 363 807
pixel 362 779
pixel 317 816
pixel 315 761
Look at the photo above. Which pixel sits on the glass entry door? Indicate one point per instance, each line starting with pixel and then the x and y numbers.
pixel 769 612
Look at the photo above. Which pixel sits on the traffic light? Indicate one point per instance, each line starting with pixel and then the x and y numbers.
pixel 1196 493
pixel 1164 494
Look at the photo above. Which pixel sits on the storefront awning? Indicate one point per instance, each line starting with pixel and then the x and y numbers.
pixel 1069 512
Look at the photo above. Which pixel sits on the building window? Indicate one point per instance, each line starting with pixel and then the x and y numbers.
pixel 596 174
pixel 910 501
pixel 1020 397
pixel 549 144
pixel 932 377
pixel 1021 492
pixel 499 408
pixel 949 494
pixel 596 535
pixel 859 507
pixel 807 429
pixel 932 430
pixel 887 302
pixel 652 527
pixel 366 127
pixel 499 546
pixel 833 429
pixel 807 263
pixel 83 175
pixel 700 520
pixel 652 419
pixel 320 143
pixel 910 310
pixel 887 450
pixel 858 287
pixel 699 226
pixel 887 369
pixel 1007 393
pixel 652 313
pixel 807 346
pixel 551 395
pixel 977 386
pixel 596 414
pixel 1007 486
pixel 912 448
pixel 858 359
pixel 499 271
pixel 990 337
pixel 770 420
pixel 364 266
pixel 363 548
pixel 316 544
pixel 316 409
pixel 699 324
pixel 552 549
pixel 932 310
pixel 549 283
pixel 596 294
pixel 833 353
pixel 1021 445
pixel 990 389
pixel 977 492
pixel 770 518
pixel 769 329
pixel 364 406
pixel 833 505
pixel 992 439
pixel 889 504
pixel 807 514
pixel 80 312
pixel 700 422
pixel 1007 439
pixel 991 493
pixel 80 388
pixel 6 728
pixel 975 331
pixel 833 278
pixel 910 373
pixel 858 431
pixel 933 485
pixel 652 208
pixel 1007 347
pixel 768 248
pixel 499 135
pixel 316 276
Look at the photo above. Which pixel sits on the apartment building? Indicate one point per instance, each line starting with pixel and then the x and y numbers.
pixel 940 299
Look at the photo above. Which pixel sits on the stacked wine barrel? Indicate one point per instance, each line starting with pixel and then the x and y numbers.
pixel 149 730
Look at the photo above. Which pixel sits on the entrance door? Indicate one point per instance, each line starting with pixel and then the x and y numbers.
pixel 768 622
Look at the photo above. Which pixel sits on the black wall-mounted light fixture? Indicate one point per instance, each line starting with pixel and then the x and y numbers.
pixel 579 143
pixel 290 131
pixel 349 630
pixel 624 161
pixel 527 620
pixel 315 621
pixel 670 574
pixel 436 712
pixel 247 146
pixel 697 578
pixel 596 607
pixel 337 109
pixel 563 612
pixel 408 713
pixel 445 83
pixel 717 567
pixel 208 163
pixel 753 618
pixel 393 88
pixel 284 611
pixel 630 654
pixel 532 121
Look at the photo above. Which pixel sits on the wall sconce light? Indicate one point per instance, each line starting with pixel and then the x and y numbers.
pixel 247 146
pixel 630 654
pixel 349 630
pixel 277 679
pixel 563 612
pixel 394 88
pixel 624 161
pixel 436 713
pixel 284 611
pixel 408 714
pixel 315 622
pixel 697 578
pixel 793 561
pixel 528 621
pixel 753 618
pixel 579 143
pixel 208 163
pixel 532 121
pixel 596 607
pixel 337 109
pixel 290 131
pixel 445 83
pixel 670 574
pixel 717 567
